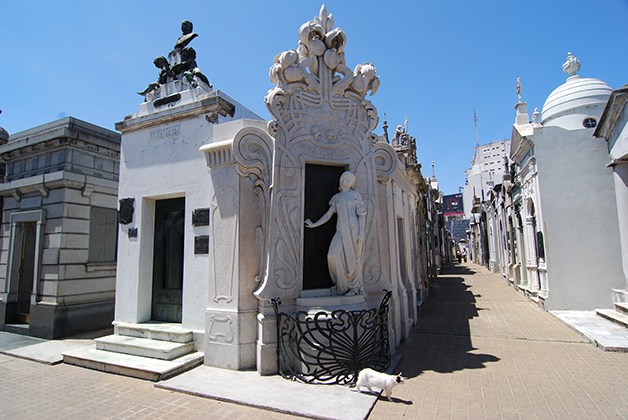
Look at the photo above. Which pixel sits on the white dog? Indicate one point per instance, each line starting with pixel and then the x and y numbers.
pixel 371 378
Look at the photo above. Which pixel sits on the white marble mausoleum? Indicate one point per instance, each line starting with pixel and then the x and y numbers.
pixel 214 202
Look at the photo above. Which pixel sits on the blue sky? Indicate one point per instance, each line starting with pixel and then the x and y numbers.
pixel 437 60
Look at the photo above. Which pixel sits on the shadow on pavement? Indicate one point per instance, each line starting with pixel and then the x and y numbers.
pixel 441 340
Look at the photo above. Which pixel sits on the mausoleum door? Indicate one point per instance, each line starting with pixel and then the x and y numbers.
pixel 321 183
pixel 168 260
pixel 26 271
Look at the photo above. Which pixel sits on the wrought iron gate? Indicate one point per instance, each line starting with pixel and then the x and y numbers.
pixel 332 347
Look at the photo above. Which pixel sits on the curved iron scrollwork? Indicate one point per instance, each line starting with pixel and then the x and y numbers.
pixel 332 347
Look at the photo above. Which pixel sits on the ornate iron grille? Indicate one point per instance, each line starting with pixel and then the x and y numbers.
pixel 332 348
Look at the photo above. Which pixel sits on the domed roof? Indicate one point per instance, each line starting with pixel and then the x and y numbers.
pixel 576 94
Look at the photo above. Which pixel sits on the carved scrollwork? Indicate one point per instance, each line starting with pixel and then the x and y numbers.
pixel 253 150
pixel 221 328
pixel 385 159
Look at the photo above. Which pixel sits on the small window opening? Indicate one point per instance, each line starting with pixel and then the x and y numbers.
pixel 589 122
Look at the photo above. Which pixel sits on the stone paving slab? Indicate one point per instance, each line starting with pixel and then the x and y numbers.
pixel 603 333
pixel 274 393
pixel 49 352
pixel 40 350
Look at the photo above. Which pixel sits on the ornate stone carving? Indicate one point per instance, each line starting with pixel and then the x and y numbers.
pixel 323 106
pixel 220 328
pixel 385 160
pixel 572 65
pixel 320 115
pixel 253 150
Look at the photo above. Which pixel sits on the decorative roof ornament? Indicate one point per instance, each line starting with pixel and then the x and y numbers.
pixel 317 94
pixel 319 61
pixel 572 65
pixel 179 71
pixel 404 144
pixel 536 117
pixel 519 89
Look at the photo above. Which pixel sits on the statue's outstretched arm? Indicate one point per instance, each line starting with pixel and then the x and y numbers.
pixel 324 219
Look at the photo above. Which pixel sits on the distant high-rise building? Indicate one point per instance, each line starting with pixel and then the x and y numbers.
pixel 487 170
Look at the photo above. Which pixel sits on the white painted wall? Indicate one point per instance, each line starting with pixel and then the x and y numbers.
pixel 157 162
pixel 579 219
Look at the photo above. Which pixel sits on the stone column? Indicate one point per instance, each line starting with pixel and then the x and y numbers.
pixel 531 261
pixel 620 175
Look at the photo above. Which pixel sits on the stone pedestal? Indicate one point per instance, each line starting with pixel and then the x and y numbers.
pixel 313 301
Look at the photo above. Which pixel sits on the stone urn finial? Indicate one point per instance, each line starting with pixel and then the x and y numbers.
pixel 572 65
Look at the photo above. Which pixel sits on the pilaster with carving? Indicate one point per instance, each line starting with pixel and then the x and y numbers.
pixel 321 116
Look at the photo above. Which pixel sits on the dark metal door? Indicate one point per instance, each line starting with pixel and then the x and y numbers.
pixel 321 183
pixel 168 260
pixel 26 271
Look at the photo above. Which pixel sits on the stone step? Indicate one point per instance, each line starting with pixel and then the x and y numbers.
pixel 613 315
pixel 145 347
pixel 129 365
pixel 22 329
pixel 621 307
pixel 155 330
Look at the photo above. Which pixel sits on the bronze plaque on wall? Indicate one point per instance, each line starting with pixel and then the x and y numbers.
pixel 201 244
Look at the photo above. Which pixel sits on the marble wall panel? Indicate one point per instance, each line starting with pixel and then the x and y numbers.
pixel 74 226
pixel 75 211
pixel 104 200
pixel 86 286
pixel 50 272
pixel 75 241
pixel 73 256
pixel 75 196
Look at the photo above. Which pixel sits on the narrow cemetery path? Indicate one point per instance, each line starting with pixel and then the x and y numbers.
pixel 482 351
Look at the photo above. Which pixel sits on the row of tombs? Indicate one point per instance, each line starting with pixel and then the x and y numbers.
pixel 217 212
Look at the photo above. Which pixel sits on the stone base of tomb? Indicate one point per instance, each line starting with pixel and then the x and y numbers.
pixel 317 300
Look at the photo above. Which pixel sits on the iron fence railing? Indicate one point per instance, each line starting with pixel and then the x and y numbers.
pixel 332 347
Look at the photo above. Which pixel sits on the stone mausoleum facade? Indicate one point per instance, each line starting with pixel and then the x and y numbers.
pixel 59 229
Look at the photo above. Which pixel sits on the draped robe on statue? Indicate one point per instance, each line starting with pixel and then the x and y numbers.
pixel 345 252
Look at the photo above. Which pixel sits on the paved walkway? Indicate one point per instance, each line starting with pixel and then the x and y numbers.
pixel 480 351
pixel 483 351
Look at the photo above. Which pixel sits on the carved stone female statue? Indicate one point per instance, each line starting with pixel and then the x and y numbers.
pixel 347 245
